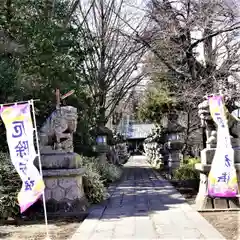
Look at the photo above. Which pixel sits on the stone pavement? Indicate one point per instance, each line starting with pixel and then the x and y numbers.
pixel 144 206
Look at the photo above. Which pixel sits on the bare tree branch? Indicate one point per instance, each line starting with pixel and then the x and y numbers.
pixel 214 34
pixel 112 58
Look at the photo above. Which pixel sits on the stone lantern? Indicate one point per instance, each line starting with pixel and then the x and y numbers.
pixel 101 141
pixel 174 143
pixel 104 138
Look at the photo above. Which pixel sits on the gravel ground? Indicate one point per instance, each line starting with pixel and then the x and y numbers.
pixel 58 230
pixel 226 222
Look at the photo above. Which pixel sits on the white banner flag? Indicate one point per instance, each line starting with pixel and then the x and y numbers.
pixel 19 127
pixel 222 181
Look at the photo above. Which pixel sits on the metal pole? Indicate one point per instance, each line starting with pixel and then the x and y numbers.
pixel 40 167
pixel 21 102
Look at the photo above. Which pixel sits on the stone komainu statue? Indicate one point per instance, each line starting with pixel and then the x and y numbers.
pixel 57 131
pixel 209 124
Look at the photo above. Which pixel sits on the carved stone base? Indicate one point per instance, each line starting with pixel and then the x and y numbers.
pixel 64 190
pixel 54 159
pixel 173 159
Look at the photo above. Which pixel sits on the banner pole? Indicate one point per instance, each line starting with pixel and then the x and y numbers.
pixel 21 102
pixel 40 168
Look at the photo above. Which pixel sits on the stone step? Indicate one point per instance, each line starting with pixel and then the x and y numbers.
pixel 220 204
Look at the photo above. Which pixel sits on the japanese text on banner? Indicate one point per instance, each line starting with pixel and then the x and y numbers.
pixel 222 181
pixel 19 128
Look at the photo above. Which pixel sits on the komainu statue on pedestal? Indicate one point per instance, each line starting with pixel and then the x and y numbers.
pixel 210 126
pixel 57 131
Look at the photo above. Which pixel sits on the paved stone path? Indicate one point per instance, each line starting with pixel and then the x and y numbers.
pixel 144 206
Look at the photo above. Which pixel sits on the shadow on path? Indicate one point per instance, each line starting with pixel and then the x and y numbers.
pixel 143 205
pixel 139 193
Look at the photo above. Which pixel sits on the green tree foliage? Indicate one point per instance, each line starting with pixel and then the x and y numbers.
pixel 10 184
pixel 46 56
pixel 160 96
pixel 51 49
pixel 187 170
pixel 156 103
pixel 8 78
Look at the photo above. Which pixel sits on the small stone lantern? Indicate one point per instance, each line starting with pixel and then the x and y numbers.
pixel 101 140
pixel 103 137
pixel 173 143
pixel 101 144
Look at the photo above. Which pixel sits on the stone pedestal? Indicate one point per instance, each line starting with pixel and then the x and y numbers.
pixel 173 155
pixel 64 191
pixel 204 202
pixel 55 159
pixel 102 152
pixel 62 174
pixel 174 159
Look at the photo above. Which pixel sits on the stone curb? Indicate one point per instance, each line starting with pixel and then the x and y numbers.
pixel 203 225
pixel 88 225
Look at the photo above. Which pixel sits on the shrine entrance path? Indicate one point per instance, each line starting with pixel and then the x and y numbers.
pixel 144 206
